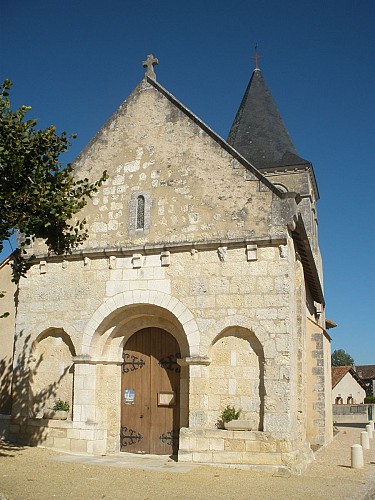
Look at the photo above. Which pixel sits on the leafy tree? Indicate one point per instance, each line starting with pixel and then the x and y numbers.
pixel 38 195
pixel 340 358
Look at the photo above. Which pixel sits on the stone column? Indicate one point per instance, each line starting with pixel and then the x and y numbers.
pixel 90 426
pixel 198 379
pixel 84 409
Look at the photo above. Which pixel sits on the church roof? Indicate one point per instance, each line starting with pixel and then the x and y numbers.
pixel 258 131
pixel 308 262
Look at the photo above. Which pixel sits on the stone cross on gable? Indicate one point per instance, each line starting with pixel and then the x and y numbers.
pixel 149 63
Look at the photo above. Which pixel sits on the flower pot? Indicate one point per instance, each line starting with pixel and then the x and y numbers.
pixel 56 414
pixel 238 425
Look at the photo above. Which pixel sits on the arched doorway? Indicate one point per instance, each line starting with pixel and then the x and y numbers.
pixel 150 393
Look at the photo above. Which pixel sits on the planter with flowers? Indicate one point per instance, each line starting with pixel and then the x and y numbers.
pixel 59 411
pixel 230 420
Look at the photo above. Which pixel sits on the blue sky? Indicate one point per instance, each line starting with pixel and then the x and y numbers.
pixel 75 61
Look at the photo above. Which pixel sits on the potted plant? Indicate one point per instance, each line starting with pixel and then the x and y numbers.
pixel 228 415
pixel 59 411
pixel 230 418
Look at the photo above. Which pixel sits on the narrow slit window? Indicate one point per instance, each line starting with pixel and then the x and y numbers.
pixel 140 212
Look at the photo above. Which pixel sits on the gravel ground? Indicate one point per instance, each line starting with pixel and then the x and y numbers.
pixel 34 473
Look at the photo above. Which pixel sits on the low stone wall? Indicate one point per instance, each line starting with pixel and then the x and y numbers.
pixel 214 446
pixel 350 419
pixel 63 435
pixel 240 447
pixel 353 414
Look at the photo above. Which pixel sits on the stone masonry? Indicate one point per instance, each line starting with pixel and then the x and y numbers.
pixel 189 237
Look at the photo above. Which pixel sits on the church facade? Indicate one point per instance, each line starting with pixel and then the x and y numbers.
pixel 199 288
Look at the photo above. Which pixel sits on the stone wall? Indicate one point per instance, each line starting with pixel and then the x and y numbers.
pixel 233 318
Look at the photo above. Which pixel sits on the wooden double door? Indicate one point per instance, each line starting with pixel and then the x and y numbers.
pixel 150 393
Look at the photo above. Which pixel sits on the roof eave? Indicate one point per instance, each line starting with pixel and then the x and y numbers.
pixel 310 270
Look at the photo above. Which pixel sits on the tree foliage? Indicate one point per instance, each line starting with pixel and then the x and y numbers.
pixel 340 358
pixel 38 195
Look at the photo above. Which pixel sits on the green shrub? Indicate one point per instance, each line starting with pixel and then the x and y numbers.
pixel 230 413
pixel 370 400
pixel 61 405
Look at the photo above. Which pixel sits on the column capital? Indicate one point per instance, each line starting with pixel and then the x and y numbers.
pixel 194 360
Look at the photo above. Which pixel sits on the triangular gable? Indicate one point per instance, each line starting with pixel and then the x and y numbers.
pixel 178 104
pixel 339 372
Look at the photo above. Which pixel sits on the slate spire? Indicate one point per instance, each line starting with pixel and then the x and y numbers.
pixel 258 131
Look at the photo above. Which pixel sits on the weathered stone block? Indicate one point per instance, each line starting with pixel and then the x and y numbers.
pixel 228 457
pixel 202 456
pixel 58 433
pixel 61 443
pixel 78 446
pixel 185 456
pixel 252 446
pixel 262 458
pixel 216 444
pixel 234 445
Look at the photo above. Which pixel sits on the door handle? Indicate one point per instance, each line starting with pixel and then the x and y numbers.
pixel 140 416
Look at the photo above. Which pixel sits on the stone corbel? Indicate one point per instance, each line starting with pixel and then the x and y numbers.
pixel 318 308
pixel 222 253
pixel 293 223
pixel 137 260
pixel 165 258
pixel 251 252
pixel 194 253
pixel 283 250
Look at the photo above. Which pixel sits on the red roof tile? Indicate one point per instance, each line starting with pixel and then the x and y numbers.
pixel 338 373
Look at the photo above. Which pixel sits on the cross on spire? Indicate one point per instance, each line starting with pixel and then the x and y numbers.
pixel 149 63
pixel 256 57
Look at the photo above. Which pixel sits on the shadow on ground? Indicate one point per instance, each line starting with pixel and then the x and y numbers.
pixel 8 449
